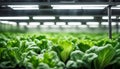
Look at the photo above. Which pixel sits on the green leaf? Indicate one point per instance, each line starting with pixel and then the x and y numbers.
pixel 84 45
pixel 105 55
pixel 43 66
pixel 67 49
pixel 77 54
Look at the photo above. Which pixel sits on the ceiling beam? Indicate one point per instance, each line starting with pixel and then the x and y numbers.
pixel 52 12
pixel 56 13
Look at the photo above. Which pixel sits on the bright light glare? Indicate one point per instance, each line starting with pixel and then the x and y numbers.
pixel 94 26
pixel 78 6
pixel 76 17
pixel 9 22
pixel 106 17
pixel 13 23
pixel 48 23
pixel 116 7
pixel 66 26
pixel 31 26
pixel 118 23
pixel 4 22
pixel 44 26
pixel 24 7
pixel 43 17
pixel 106 23
pixel 113 23
pixel 83 26
pixel 34 23
pixel 74 23
pixel 92 23
pixel 23 23
pixel 60 23
pixel 15 18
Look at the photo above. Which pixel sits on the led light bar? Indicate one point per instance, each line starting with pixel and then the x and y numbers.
pixel 106 17
pixel 44 26
pixel 116 7
pixel 106 23
pixel 24 7
pixel 118 23
pixel 60 23
pixel 9 22
pixel 48 23
pixel 79 6
pixel 82 26
pixel 34 23
pixel 74 23
pixel 93 26
pixel 31 26
pixel 22 23
pixel 13 23
pixel 66 26
pixel 43 17
pixel 92 23
pixel 75 17
pixel 4 22
pixel 15 18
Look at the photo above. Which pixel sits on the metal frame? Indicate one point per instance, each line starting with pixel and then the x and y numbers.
pixel 60 3
pixel 5 11
pixel 58 20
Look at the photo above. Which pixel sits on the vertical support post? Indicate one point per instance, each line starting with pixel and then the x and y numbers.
pixel 109 21
pixel 18 26
pixel 117 26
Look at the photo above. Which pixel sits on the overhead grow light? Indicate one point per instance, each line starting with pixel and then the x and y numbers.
pixel 9 22
pixel 12 23
pixel 74 23
pixel 4 22
pixel 15 18
pixel 60 23
pixel 79 6
pixel 24 7
pixel 75 17
pixel 116 7
pixel 48 23
pixel 43 17
pixel 22 23
pixel 106 23
pixel 93 24
pixel 34 23
pixel 106 17
pixel 82 26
